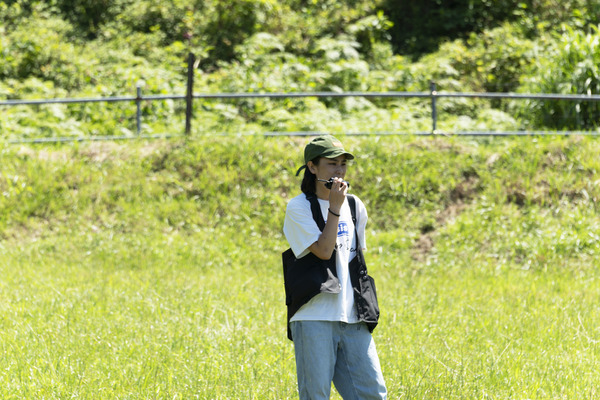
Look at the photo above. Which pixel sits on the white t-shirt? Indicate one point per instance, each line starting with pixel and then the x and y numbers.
pixel 301 231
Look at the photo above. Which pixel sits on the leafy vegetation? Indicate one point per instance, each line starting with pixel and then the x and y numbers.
pixel 574 71
pixel 81 48
pixel 153 270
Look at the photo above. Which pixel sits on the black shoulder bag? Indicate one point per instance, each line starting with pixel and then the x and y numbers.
pixel 365 293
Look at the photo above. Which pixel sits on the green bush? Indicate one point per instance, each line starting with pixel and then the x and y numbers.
pixel 496 58
pixel 48 54
pixel 569 64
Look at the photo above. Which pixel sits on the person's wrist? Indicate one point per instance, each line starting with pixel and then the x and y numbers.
pixel 337 214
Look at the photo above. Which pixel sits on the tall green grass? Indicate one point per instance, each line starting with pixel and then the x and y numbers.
pixel 152 270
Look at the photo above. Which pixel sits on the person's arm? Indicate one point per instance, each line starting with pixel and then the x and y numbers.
pixel 323 248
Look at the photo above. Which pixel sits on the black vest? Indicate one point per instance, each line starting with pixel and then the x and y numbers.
pixel 308 276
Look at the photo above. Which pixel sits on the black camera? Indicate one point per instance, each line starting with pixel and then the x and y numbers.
pixel 329 183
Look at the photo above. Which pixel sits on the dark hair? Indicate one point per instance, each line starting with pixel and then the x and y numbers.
pixel 309 182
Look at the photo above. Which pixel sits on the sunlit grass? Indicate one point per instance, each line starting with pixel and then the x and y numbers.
pixel 153 270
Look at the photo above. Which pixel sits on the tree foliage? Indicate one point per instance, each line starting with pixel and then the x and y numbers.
pixel 420 26
pixel 85 48
pixel 570 64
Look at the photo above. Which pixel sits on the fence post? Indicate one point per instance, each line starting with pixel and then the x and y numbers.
pixel 433 108
pixel 138 114
pixel 189 97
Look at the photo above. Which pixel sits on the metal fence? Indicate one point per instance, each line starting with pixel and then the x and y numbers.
pixel 190 96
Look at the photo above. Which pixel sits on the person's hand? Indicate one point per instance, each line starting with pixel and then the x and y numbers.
pixel 337 194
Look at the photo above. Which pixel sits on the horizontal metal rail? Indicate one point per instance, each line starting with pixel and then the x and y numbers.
pixel 428 133
pixel 310 94
pixel 490 95
pixel 400 95
pixel 88 139
pixel 433 95
pixel 550 96
pixel 89 100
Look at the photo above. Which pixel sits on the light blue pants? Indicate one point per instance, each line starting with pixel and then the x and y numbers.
pixel 335 351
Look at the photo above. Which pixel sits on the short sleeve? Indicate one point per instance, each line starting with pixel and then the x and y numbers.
pixel 299 227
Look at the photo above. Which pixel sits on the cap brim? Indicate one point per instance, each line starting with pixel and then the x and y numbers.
pixel 338 152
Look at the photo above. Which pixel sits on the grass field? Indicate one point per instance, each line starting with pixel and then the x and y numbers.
pixel 152 270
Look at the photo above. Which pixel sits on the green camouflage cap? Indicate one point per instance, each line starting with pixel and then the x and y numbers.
pixel 324 146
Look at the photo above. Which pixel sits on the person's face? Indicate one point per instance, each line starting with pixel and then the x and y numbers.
pixel 327 168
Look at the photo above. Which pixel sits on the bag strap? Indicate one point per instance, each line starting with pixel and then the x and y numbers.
pixel 359 252
pixel 352 203
pixel 316 209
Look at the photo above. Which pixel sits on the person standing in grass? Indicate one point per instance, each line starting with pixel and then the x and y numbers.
pixel 332 304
